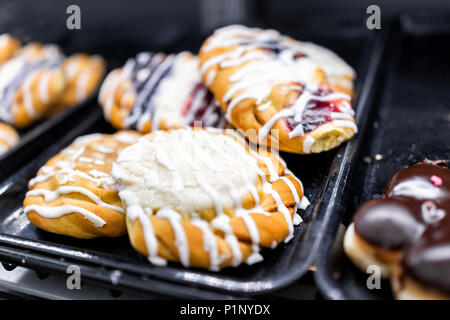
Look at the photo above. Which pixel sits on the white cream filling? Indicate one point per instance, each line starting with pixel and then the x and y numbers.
pixel 191 175
pixel 174 90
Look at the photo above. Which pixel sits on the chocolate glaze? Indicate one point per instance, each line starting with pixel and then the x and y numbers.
pixel 414 217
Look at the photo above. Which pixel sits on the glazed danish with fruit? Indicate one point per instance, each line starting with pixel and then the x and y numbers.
pixel 30 83
pixel 74 194
pixel 201 197
pixel 407 232
pixel 8 47
pixel 267 81
pixel 157 91
pixel 83 74
pixel 8 137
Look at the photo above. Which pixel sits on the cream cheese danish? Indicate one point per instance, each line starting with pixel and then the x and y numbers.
pixel 203 198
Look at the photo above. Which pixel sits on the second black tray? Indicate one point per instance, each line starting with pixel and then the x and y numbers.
pixel 410 122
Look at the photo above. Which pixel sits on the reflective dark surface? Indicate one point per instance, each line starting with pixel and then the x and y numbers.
pixel 410 122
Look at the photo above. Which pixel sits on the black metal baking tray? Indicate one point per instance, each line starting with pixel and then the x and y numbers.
pixel 113 262
pixel 411 121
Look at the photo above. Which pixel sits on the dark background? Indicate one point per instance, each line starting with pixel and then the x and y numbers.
pixel 32 18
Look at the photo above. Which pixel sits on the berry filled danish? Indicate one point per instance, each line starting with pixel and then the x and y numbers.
pixel 83 74
pixel 8 137
pixel 74 194
pixel 203 198
pixel 407 232
pixel 30 83
pixel 157 91
pixel 266 81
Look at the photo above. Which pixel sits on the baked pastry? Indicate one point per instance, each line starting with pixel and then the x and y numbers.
pixel 83 74
pixel 30 83
pixel 407 232
pixel 8 47
pixel 157 91
pixel 74 194
pixel 295 95
pixel 8 137
pixel 203 198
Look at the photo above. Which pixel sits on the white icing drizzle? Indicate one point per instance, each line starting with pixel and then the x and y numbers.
pixel 126 137
pixel 65 171
pixel 51 195
pixel 72 67
pixel 307 144
pixel 59 211
pixel 181 241
pixel 43 87
pixel 27 95
pixel 209 243
pixel 297 218
pixel 304 202
pixel 135 211
pixel 345 123
pixel 264 106
pixel 267 188
pixel 98 174
pixel 222 222
pixel 104 149
pixel 8 138
pixel 81 86
pixel 111 84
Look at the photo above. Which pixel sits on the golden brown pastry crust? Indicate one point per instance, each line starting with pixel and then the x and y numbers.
pixel 364 254
pixel 8 47
pixel 406 288
pixel 77 183
pixel 272 227
pixel 250 114
pixel 8 137
pixel 83 74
